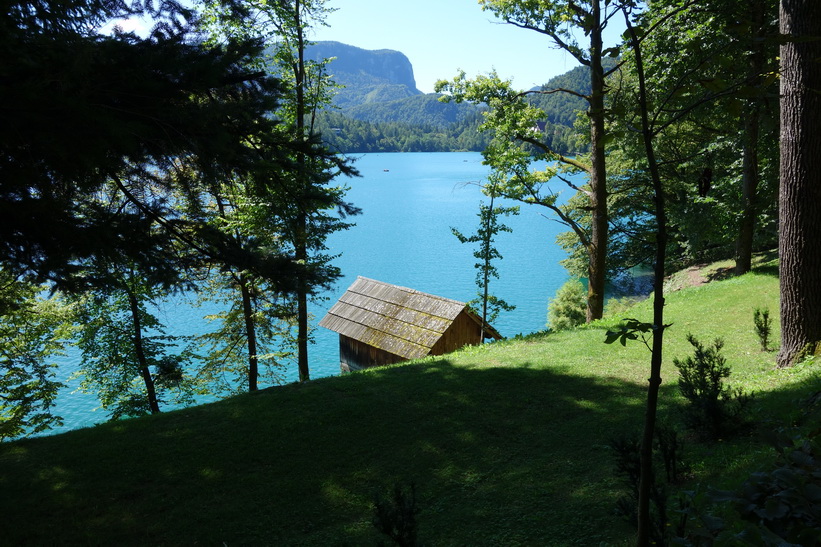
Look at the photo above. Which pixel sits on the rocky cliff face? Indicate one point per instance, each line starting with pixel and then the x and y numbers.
pixel 368 76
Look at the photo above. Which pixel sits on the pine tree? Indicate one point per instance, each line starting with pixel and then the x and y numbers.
pixel 124 109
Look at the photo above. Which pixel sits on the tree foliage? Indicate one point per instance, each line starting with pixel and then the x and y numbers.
pixel 141 132
pixel 129 362
pixel 517 123
pixel 703 96
pixel 568 308
pixel 714 409
pixel 33 329
pixel 311 208
pixel 118 107
pixel 252 335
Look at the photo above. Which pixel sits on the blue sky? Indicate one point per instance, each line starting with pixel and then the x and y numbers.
pixel 440 37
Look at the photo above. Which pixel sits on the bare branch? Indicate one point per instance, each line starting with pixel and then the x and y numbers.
pixel 560 43
pixel 536 199
pixel 162 221
pixel 552 91
pixel 559 157
pixel 573 186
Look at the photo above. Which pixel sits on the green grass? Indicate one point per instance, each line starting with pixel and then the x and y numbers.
pixel 506 443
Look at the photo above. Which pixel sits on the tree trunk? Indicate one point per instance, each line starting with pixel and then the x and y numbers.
pixel 250 334
pixel 749 170
pixel 597 250
pixel 301 244
pixel 302 311
pixel 646 475
pixel 749 189
pixel 486 270
pixel 799 234
pixel 145 372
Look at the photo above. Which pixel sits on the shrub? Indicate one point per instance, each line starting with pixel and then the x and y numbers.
pixel 763 326
pixel 568 308
pixel 779 507
pixel 618 307
pixel 786 501
pixel 714 409
pixel 396 516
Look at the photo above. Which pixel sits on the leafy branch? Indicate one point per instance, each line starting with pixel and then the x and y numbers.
pixel 633 329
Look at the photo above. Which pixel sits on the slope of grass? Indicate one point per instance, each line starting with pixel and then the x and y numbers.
pixel 506 443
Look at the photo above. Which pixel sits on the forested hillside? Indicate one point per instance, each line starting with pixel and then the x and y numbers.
pixel 349 135
pixel 379 109
pixel 561 106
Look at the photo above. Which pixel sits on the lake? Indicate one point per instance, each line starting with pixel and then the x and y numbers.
pixel 409 203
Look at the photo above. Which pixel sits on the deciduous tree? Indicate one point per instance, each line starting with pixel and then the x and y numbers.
pixel 33 331
pixel 715 149
pixel 757 15
pixel 658 326
pixel 252 338
pixel 315 207
pixel 128 361
pixel 514 123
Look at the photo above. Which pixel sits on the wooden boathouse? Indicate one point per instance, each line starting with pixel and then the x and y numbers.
pixel 382 324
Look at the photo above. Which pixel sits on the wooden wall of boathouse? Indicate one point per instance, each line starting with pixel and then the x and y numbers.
pixel 356 355
pixel 462 332
pixel 382 324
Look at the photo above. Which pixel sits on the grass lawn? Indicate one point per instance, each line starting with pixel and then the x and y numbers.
pixel 507 445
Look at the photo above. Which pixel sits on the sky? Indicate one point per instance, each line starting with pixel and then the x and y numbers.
pixel 441 37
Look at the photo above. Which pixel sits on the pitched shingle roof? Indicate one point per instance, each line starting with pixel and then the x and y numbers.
pixel 396 319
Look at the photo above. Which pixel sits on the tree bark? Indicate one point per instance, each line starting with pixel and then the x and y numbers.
pixel 749 190
pixel 646 475
pixel 250 334
pixel 301 244
pixel 486 270
pixel 302 315
pixel 751 130
pixel 799 237
pixel 145 372
pixel 597 250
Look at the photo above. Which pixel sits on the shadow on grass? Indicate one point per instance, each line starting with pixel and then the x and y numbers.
pixel 498 455
pixel 766 263
pixel 721 273
pixel 767 269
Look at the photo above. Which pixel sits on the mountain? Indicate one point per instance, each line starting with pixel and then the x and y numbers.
pixel 379 108
pixel 562 108
pixel 368 76
pixel 424 110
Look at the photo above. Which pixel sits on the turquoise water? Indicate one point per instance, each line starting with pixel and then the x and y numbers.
pixel 409 203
